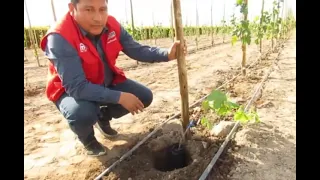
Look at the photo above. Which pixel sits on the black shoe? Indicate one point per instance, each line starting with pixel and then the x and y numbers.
pixel 95 149
pixel 105 128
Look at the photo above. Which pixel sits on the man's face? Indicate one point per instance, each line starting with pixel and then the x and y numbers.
pixel 91 15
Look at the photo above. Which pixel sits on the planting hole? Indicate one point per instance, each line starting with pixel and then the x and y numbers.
pixel 171 158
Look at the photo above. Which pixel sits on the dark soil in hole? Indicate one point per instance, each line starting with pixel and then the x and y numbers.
pixel 145 162
pixel 171 157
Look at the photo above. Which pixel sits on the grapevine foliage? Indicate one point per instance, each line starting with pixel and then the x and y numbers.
pixel 261 29
pixel 219 103
pixel 241 30
pixel 274 25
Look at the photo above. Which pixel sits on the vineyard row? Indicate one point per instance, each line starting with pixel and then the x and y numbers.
pixel 143 33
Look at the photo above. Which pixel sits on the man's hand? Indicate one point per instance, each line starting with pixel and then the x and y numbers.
pixel 131 103
pixel 173 50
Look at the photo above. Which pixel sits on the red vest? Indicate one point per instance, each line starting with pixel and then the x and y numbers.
pixel 91 62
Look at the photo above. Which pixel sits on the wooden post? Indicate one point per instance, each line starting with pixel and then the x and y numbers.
pixel 282 17
pixel 132 23
pixel 183 81
pixel 197 26
pixel 212 40
pixel 132 19
pixel 25 46
pixel 277 19
pixel 125 11
pixel 171 15
pixel 153 29
pixel 261 18
pixel 32 36
pixel 53 11
pixel 224 19
pixel 273 20
pixel 244 47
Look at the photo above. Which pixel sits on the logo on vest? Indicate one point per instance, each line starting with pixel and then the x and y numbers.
pixel 83 48
pixel 111 37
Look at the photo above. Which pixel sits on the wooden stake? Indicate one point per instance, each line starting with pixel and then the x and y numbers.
pixel 125 11
pixel 244 48
pixel 197 26
pixel 32 36
pixel 261 18
pixel 132 23
pixel 171 16
pixel 53 11
pixel 132 19
pixel 183 81
pixel 224 18
pixel 212 40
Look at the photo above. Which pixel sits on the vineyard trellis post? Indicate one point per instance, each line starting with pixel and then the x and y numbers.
pixel 25 45
pixel 53 11
pixel 274 21
pixel 283 15
pixel 261 20
pixel 277 37
pixel 132 23
pixel 32 35
pixel 171 15
pixel 244 45
pixel 183 81
pixel 197 26
pixel 125 11
pixel 224 20
pixel 132 19
pixel 282 18
pixel 153 30
pixel 211 28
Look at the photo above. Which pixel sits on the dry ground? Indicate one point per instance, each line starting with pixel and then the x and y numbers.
pixel 51 151
pixel 269 149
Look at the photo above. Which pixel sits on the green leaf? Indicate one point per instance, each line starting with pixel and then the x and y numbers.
pixel 257 118
pixel 256 18
pixel 256 41
pixel 205 105
pixel 232 104
pixel 239 2
pixel 223 111
pixel 211 104
pixel 248 39
pixel 203 121
pixel 234 39
pixel 218 98
pixel 209 125
pixel 241 116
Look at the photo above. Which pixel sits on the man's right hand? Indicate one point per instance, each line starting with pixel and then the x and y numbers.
pixel 131 103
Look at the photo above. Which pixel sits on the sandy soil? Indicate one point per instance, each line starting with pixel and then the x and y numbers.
pixel 51 151
pixel 269 149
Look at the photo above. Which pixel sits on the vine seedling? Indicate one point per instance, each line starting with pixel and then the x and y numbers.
pixel 219 103
pixel 273 28
pixel 262 27
pixel 242 31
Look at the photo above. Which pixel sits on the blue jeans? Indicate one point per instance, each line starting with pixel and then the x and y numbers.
pixel 82 115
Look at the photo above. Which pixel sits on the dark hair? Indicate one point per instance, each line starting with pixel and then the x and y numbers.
pixel 77 1
pixel 74 1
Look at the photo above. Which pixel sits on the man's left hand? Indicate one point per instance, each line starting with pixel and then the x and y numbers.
pixel 173 49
